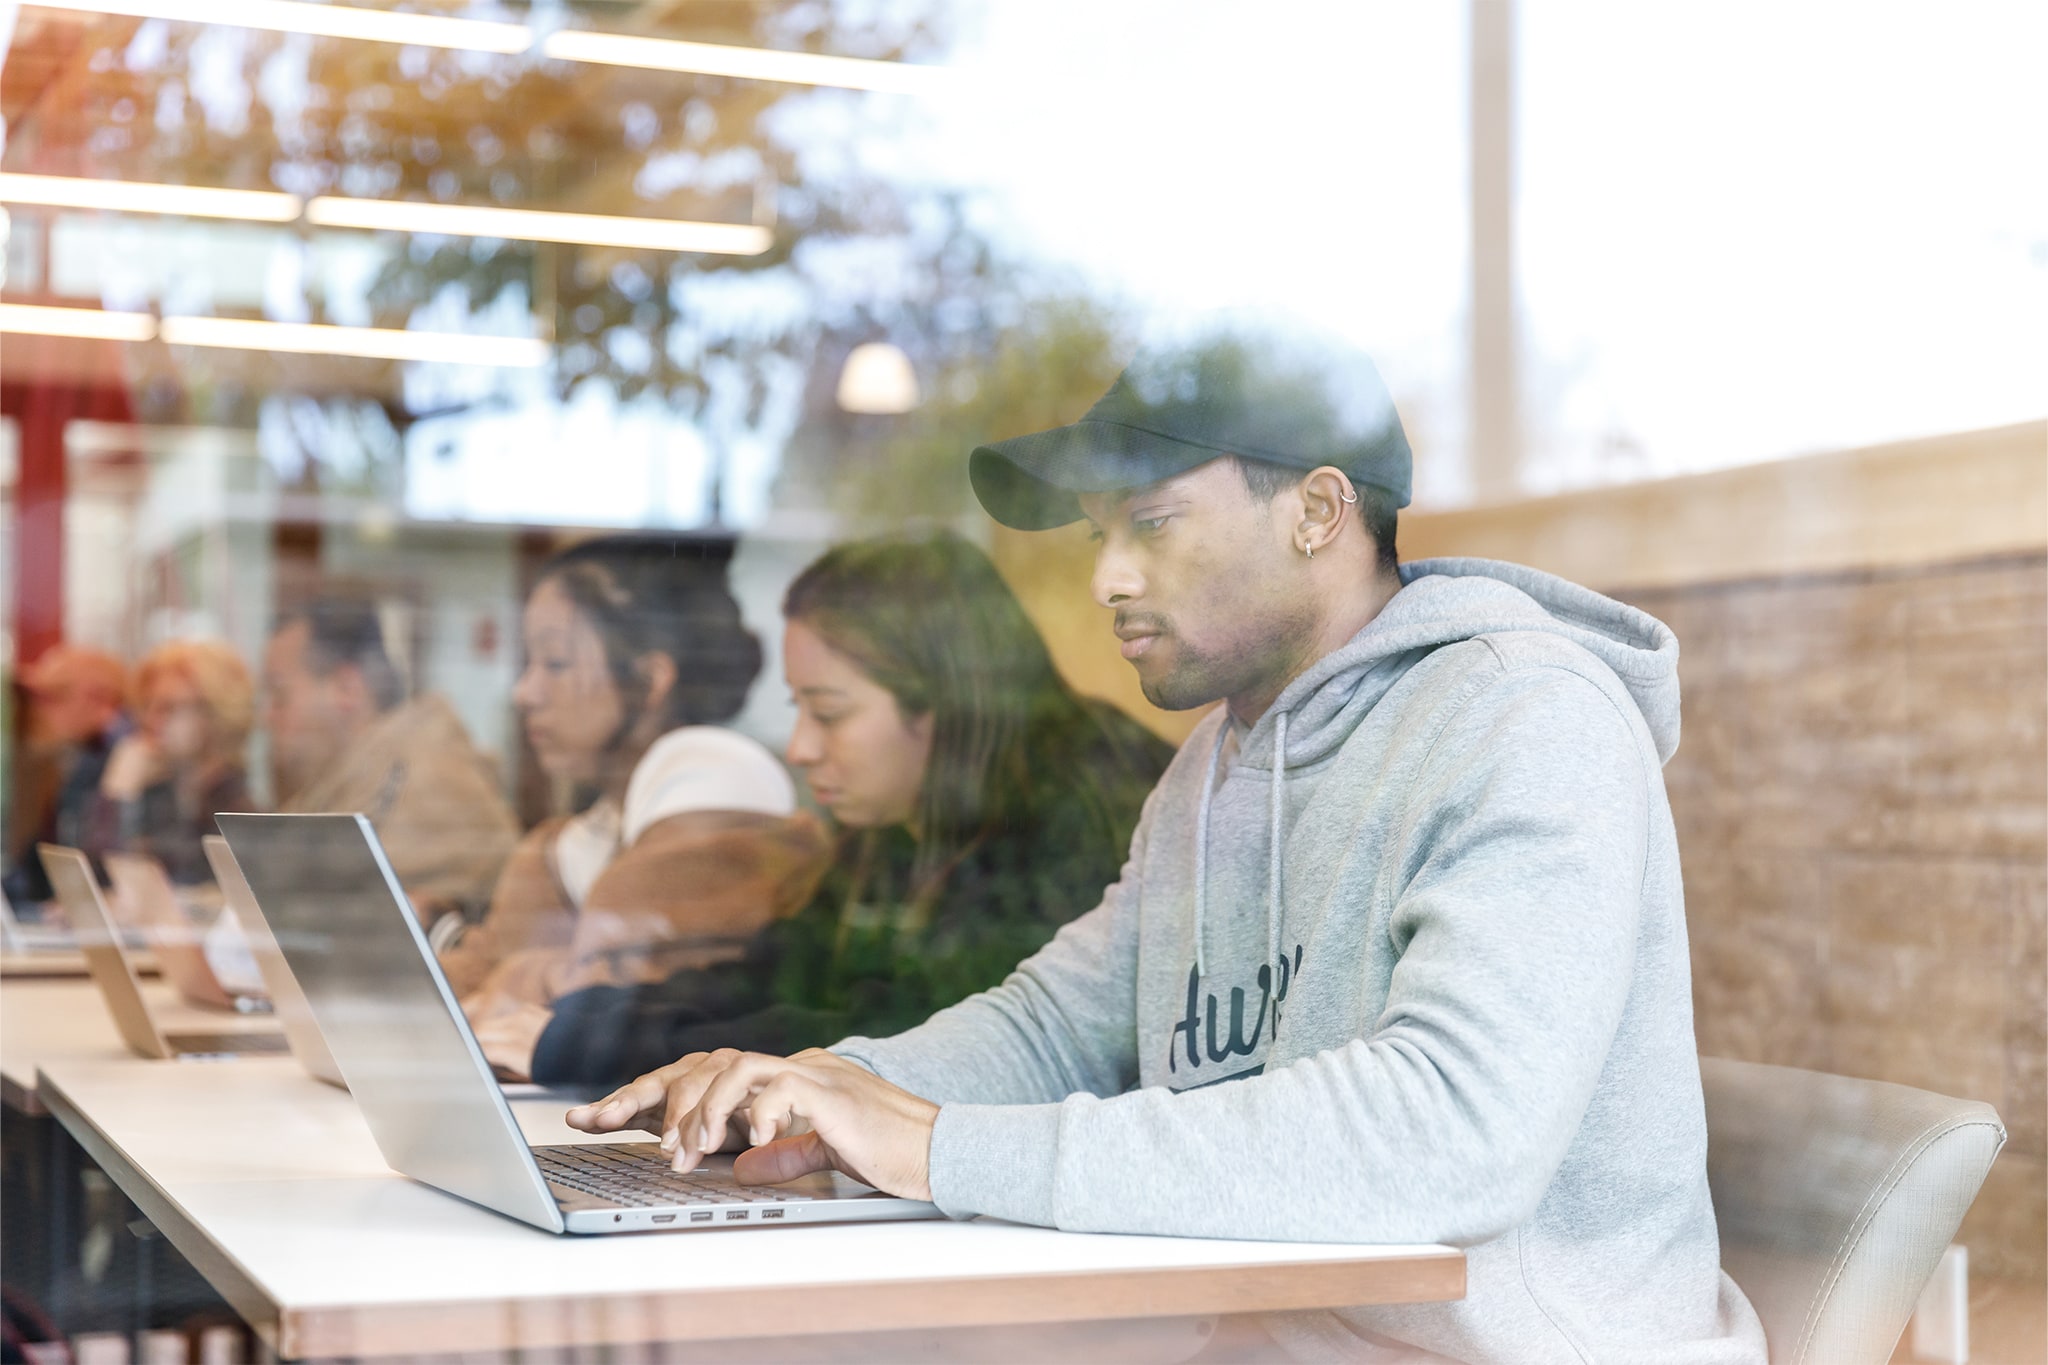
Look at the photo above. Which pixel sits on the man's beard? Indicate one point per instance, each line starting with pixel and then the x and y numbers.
pixel 1194 680
pixel 1201 676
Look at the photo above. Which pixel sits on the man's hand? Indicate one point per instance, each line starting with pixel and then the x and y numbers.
pixel 815 1111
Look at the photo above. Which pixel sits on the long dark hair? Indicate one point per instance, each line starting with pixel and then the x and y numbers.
pixel 665 596
pixel 929 619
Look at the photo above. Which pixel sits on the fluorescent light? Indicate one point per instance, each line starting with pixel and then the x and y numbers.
pixel 747 63
pixel 533 225
pixel 569 45
pixel 326 21
pixel 128 196
pixel 260 334
pixel 371 343
pixel 33 319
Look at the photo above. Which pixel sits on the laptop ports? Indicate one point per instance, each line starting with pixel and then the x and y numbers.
pixel 664 1218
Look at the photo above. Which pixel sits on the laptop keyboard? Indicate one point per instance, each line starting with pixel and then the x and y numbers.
pixel 636 1176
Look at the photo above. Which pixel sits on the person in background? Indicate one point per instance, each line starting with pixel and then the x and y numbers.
pixel 688 839
pixel 163 783
pixel 76 714
pixel 345 737
pixel 985 804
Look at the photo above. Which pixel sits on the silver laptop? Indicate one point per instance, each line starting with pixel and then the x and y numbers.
pixel 152 904
pixel 300 1028
pixel 26 936
pixel 107 959
pixel 344 925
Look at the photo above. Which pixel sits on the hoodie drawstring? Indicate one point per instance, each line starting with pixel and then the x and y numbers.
pixel 1202 847
pixel 1273 856
pixel 1277 808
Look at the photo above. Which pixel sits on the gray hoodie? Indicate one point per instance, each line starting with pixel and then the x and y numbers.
pixel 1439 951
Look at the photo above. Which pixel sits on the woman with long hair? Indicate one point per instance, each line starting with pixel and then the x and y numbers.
pixel 686 837
pixel 984 805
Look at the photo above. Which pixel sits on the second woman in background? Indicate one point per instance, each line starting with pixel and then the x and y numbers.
pixel 163 783
pixel 986 806
pixel 690 839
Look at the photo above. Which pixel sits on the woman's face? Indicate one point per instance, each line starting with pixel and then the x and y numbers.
pixel 176 720
pixel 863 758
pixel 566 695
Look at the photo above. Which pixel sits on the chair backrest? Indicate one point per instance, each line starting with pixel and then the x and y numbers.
pixel 1835 1199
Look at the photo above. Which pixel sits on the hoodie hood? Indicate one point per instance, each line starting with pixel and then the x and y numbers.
pixel 1441 602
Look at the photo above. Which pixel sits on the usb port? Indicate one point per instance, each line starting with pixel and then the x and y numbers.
pixel 771 1213
pixel 735 1215
pixel 703 1217
pixel 664 1218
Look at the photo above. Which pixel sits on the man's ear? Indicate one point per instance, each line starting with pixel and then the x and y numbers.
pixel 657 673
pixel 1327 503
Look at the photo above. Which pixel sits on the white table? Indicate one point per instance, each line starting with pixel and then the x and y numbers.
pixel 270 1184
pixel 46 1019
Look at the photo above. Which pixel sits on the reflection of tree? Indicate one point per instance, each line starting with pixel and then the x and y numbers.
pixel 859 251
pixel 1041 370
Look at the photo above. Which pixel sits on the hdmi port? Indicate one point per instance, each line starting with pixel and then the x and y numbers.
pixel 664 1218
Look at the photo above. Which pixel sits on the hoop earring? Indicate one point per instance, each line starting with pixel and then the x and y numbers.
pixel 1308 550
pixel 1349 497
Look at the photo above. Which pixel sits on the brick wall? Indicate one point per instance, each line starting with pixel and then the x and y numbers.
pixel 1861 793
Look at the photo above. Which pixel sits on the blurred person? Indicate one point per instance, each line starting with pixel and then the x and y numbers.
pixel 76 714
pixel 163 783
pixel 985 805
pixel 689 838
pixel 1399 954
pixel 344 736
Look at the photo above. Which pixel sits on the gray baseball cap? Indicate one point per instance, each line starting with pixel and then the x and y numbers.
pixel 1175 408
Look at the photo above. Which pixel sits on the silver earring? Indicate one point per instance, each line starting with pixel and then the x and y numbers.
pixel 1308 550
pixel 1349 497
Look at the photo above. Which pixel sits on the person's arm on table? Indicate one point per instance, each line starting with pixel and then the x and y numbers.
pixel 1064 1021
pixel 1518 927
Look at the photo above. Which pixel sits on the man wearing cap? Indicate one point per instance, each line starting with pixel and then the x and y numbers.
pixel 1399 954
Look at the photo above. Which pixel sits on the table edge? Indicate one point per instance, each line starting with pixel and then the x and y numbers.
pixel 689 1314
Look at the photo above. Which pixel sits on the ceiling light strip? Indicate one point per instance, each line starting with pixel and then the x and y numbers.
pixel 535 225
pixel 262 334
pixel 127 196
pixel 370 343
pixel 745 63
pixel 323 21
pixel 569 45
pixel 94 324
pixel 387 215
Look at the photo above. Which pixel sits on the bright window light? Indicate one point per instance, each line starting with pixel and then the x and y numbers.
pixel 326 21
pixel 34 319
pixel 747 63
pixel 126 196
pixel 372 343
pixel 532 225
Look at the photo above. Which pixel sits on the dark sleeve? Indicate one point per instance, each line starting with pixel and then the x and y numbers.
pixel 606 1035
